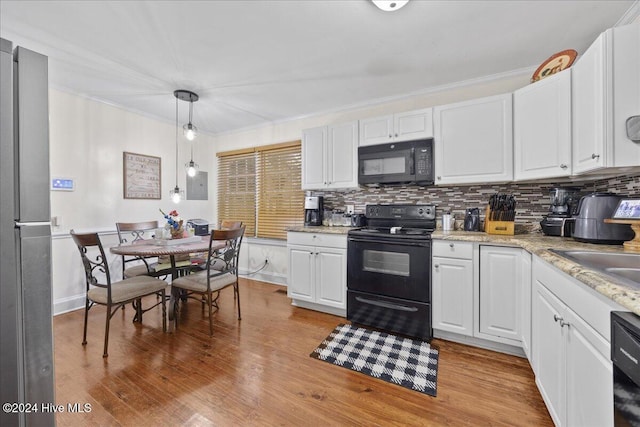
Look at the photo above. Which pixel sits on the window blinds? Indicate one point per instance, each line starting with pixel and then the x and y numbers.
pixel 261 187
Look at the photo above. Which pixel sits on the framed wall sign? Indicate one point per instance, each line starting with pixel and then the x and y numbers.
pixel 141 176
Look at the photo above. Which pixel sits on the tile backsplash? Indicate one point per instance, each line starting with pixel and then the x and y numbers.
pixel 532 198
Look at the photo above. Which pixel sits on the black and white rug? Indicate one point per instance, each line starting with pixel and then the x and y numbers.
pixel 409 363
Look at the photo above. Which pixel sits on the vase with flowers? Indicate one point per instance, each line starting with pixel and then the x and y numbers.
pixel 175 224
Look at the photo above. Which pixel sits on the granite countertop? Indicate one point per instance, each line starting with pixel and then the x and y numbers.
pixel 322 229
pixel 539 245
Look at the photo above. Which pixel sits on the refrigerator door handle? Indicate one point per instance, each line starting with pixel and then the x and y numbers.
pixel 28 224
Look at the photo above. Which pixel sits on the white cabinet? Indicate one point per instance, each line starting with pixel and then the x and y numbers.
pixel 318 271
pixel 605 93
pixel 452 281
pixel 407 126
pixel 570 356
pixel 502 294
pixel 474 141
pixel 542 128
pixel 330 157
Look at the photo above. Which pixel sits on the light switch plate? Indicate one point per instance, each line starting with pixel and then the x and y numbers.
pixel 350 208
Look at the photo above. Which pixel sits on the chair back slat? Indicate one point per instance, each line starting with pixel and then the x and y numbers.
pixel 92 240
pixel 137 230
pixel 229 224
pixel 225 260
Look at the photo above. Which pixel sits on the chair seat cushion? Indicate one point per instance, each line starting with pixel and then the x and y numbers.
pixel 198 281
pixel 127 289
pixel 136 270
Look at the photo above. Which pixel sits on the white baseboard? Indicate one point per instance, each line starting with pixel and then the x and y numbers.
pixel 477 342
pixel 65 305
pixel 276 279
pixel 342 312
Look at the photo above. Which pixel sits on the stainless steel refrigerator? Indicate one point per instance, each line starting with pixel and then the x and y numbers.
pixel 26 337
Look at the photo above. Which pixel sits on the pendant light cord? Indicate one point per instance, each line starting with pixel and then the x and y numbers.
pixel 176 142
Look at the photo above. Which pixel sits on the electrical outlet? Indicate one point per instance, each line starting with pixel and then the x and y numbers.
pixel 350 208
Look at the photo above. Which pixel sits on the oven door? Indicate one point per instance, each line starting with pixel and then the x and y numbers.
pixel 381 164
pixel 396 268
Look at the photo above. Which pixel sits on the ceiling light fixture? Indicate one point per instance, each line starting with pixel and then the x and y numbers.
pixel 389 5
pixel 189 130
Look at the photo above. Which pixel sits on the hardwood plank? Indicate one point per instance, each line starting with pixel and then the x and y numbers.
pixel 257 371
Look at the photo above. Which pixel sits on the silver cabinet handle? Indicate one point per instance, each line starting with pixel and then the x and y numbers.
pixel 595 156
pixel 563 166
pixel 451 245
pixel 563 324
pixel 556 318
pixel 439 177
pixel 437 266
pixel 390 136
pixel 396 135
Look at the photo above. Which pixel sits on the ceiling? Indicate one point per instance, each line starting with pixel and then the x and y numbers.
pixel 259 62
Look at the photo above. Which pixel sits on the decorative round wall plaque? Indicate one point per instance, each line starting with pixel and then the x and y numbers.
pixel 556 63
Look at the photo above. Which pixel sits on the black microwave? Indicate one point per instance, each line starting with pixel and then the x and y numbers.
pixel 396 163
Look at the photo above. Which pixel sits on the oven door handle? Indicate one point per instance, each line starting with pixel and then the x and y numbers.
pixel 390 242
pixel 386 304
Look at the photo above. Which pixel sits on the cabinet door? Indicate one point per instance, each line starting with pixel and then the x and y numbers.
pixel 542 128
pixel 342 156
pixel 314 147
pixel 331 277
pixel 300 284
pixel 413 125
pixel 474 141
pixel 589 375
pixel 377 130
pixel 452 295
pixel 548 346
pixel 588 108
pixel 500 292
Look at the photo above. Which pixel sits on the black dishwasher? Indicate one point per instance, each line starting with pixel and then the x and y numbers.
pixel 625 355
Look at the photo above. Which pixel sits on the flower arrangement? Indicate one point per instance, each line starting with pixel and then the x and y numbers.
pixel 175 224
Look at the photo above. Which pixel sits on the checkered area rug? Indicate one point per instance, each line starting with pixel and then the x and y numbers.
pixel 409 363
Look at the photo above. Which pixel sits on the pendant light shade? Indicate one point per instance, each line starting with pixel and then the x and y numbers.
pixel 190 131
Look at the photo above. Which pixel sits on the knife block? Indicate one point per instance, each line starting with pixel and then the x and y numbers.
pixel 498 227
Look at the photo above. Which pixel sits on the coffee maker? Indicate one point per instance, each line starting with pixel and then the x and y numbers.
pixel 563 205
pixel 313 207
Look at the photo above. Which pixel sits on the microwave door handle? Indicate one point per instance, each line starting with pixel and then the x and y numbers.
pixel 412 162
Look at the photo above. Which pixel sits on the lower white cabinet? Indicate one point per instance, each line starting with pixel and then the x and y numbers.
pixel 570 358
pixel 503 294
pixel 452 293
pixel 318 271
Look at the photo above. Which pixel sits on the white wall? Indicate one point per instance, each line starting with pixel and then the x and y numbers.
pixel 87 139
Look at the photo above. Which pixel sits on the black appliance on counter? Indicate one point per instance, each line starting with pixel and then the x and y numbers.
pixel 625 355
pixel 563 206
pixel 397 163
pixel 389 270
pixel 313 207
pixel 590 227
pixel 200 226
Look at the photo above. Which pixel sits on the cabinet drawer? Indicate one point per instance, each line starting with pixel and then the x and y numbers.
pixel 317 239
pixel 452 249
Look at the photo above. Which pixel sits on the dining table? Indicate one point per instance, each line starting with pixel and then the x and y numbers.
pixel 171 248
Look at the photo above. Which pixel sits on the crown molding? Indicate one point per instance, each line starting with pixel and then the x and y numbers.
pixel 631 15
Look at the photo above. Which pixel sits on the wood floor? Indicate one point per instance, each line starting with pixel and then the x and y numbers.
pixel 257 371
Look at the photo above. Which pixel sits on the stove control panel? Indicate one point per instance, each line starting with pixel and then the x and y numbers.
pixel 425 212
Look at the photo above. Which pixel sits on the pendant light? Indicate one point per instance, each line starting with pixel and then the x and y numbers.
pixel 189 130
pixel 176 194
pixel 192 167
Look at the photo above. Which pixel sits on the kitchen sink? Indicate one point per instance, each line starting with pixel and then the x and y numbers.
pixel 622 266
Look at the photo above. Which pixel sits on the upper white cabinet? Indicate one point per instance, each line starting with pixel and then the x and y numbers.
pixel 542 128
pixel 474 141
pixel 406 126
pixel 605 93
pixel 330 157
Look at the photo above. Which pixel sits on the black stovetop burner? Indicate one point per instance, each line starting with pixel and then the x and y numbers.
pixel 400 221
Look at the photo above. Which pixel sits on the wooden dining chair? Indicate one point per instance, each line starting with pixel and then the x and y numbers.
pixel 113 295
pixel 129 232
pixel 205 285
pixel 228 224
